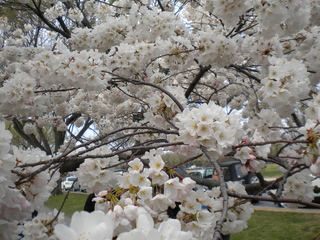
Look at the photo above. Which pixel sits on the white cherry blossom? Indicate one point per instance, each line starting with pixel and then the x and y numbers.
pixel 95 225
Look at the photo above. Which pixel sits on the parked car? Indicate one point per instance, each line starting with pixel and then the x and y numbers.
pixel 232 172
pixel 197 172
pixel 68 184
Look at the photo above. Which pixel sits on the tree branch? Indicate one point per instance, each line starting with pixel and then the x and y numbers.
pixel 38 12
pixel 195 81
pixel 224 194
pixel 44 140
pixel 296 120
pixel 239 69
pixel 138 82
pixel 31 139
pixel 272 199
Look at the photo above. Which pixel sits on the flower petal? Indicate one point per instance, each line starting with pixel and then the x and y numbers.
pixel 65 233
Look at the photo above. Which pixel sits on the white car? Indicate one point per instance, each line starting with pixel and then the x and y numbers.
pixel 68 184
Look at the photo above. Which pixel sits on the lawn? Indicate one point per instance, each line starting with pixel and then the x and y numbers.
pixel 264 225
pixel 269 225
pixel 74 202
pixel 271 171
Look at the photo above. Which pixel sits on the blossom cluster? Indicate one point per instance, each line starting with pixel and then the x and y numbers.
pixel 311 131
pixel 228 11
pixel 260 49
pixel 284 17
pixel 14 206
pixel 103 36
pixel 286 84
pixel 97 174
pixel 18 95
pixel 248 155
pixel 210 126
pixel 168 229
pixel 41 227
pixel 312 60
pixel 197 210
pixel 147 26
pixel 219 51
pixel 163 108
pixel 264 121
pixel 4 25
pixel 68 69
pixel 39 189
pixel 17 202
pixel 51 70
pixel 299 186
pixel 136 187
pixel 239 214
pixel 55 11
pixel 99 226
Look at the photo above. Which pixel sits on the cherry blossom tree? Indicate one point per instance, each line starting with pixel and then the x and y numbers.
pixel 120 83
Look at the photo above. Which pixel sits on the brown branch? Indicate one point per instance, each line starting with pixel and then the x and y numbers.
pixel 64 27
pixel 139 82
pixel 85 128
pixel 239 69
pixel 44 140
pixel 296 120
pixel 95 145
pixel 273 199
pixel 160 5
pixel 168 54
pixel 270 142
pixel 196 80
pixel 78 159
pixel 31 138
pixel 140 148
pixel 58 139
pixel 55 90
pixel 62 204
pixel 38 12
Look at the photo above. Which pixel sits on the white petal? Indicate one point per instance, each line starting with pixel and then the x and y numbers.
pixel 145 222
pixel 101 232
pixel 77 221
pixel 132 235
pixel 65 233
pixel 166 228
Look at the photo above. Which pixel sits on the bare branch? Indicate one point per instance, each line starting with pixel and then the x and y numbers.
pixel 272 199
pixel 239 69
pixel 195 81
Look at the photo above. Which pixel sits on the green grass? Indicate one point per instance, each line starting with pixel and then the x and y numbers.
pixel 75 202
pixel 271 171
pixel 267 225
